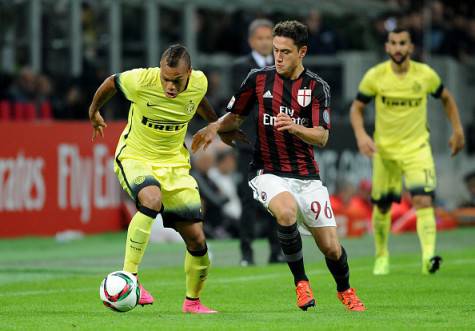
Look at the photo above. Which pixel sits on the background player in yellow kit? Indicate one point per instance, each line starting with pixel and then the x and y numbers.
pixel 152 162
pixel 401 142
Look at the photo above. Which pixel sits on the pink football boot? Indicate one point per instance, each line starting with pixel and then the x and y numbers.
pixel 145 297
pixel 196 307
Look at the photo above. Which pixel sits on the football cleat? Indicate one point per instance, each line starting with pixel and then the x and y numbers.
pixel 351 300
pixel 431 266
pixel 305 297
pixel 196 307
pixel 381 266
pixel 145 297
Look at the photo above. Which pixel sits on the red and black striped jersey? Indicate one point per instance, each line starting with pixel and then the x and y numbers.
pixel 306 100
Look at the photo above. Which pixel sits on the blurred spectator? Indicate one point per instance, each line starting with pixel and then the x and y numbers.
pixel 89 33
pixel 439 27
pixel 211 198
pixel 223 176
pixel 415 24
pixel 321 39
pixel 470 134
pixel 469 181
pixel 76 103
pixel 24 87
pixel 467 47
pixel 377 34
pixel 45 97
pixel 456 36
pixel 353 207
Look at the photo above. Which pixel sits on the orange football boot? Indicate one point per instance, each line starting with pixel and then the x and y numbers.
pixel 351 300
pixel 305 297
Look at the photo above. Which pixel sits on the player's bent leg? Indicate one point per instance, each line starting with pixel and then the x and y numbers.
pixel 381 227
pixel 196 266
pixel 336 259
pixel 138 234
pixel 426 230
pixel 284 207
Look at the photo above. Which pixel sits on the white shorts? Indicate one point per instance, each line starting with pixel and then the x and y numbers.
pixel 314 208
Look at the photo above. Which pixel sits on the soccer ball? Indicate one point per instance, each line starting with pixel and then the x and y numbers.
pixel 120 291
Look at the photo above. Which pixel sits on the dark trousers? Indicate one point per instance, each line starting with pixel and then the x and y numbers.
pixel 254 215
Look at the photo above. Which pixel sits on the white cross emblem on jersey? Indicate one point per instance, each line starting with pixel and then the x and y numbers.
pixel 304 96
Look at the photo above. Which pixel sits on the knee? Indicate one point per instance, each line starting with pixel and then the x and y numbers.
pixel 151 200
pixel 287 216
pixel 422 201
pixel 383 206
pixel 196 242
pixel 332 251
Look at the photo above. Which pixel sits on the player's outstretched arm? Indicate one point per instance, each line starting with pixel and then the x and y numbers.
pixel 102 95
pixel 206 111
pixel 365 144
pixel 457 139
pixel 226 126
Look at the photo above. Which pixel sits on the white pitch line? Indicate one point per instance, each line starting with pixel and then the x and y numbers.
pixel 224 280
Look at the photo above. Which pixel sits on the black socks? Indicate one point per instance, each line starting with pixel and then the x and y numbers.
pixel 291 243
pixel 340 271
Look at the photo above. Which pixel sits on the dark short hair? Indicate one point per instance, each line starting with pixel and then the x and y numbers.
pixel 399 30
pixel 258 23
pixel 294 30
pixel 174 54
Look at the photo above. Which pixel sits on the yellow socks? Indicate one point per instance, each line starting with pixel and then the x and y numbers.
pixel 381 227
pixel 196 270
pixel 137 240
pixel 426 230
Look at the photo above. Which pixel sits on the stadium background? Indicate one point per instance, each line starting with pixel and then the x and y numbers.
pixel 56 186
pixel 54 54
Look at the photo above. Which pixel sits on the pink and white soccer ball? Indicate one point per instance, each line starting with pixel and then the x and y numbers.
pixel 120 291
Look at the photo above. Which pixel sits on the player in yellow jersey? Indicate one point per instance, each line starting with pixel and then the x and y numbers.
pixel 152 162
pixel 401 147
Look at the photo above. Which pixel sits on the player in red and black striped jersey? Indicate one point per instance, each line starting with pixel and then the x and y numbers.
pixel 294 115
pixel 304 99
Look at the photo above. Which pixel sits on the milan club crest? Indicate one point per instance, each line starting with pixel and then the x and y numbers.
pixel 263 196
pixel 304 96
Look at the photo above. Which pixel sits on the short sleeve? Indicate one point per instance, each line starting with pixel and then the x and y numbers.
pixel 243 101
pixel 321 106
pixel 127 82
pixel 434 83
pixel 367 88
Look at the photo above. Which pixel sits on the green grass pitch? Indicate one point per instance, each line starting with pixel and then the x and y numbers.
pixel 45 285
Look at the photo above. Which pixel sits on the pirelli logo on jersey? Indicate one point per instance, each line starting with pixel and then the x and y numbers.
pixel 161 125
pixel 401 102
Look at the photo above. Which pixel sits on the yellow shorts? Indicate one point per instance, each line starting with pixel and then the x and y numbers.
pixel 417 169
pixel 180 196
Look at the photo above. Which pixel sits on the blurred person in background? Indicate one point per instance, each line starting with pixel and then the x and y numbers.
pixel 470 129
pixel 223 176
pixel 294 116
pixel 260 41
pixel 212 199
pixel 152 161
pixel 401 143
pixel 24 87
pixel 469 181
pixel 322 39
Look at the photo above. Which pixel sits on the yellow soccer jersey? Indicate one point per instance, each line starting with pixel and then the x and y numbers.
pixel 401 106
pixel 157 125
